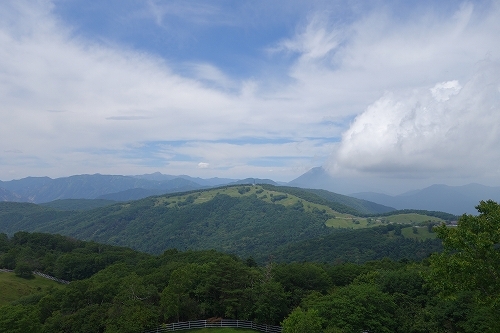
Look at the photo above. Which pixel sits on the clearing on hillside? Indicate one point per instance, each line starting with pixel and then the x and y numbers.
pixel 13 287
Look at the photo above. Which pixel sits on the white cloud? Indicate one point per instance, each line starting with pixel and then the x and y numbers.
pixel 212 75
pixel 442 91
pixel 446 129
pixel 315 42
pixel 203 165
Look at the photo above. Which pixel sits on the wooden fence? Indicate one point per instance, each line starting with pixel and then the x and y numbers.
pixel 230 323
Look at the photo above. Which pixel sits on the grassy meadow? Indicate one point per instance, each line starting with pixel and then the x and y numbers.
pixel 13 287
pixel 422 233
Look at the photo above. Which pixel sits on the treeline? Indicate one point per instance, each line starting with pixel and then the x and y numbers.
pixel 59 256
pixel 441 215
pixel 126 291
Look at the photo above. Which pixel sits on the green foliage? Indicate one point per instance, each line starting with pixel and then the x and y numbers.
pixel 299 279
pixel 19 319
pixel 246 225
pixel 279 197
pixel 243 190
pixel 300 321
pixel 136 292
pixel 440 215
pixel 78 204
pixel 358 246
pixel 355 308
pixel 467 273
pixel 471 260
pixel 60 256
pixel 270 303
pixel 23 270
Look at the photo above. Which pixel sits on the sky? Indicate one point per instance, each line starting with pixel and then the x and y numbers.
pixel 386 95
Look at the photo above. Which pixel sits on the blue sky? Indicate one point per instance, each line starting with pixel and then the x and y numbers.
pixel 390 95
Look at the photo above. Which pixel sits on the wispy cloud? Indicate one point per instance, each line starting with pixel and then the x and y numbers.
pixel 200 13
pixel 314 42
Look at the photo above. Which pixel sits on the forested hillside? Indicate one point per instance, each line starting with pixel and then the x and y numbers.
pixel 256 221
pixel 78 204
pixel 360 246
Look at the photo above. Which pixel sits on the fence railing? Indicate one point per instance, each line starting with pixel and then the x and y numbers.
pixel 50 277
pixel 39 274
pixel 230 323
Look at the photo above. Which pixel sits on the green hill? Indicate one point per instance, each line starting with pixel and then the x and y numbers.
pixel 247 220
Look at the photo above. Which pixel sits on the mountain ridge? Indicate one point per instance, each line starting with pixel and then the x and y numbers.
pixel 438 197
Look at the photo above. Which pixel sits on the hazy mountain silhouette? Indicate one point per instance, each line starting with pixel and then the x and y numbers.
pixel 451 199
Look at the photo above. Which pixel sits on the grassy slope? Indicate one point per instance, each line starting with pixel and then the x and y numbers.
pixel 349 221
pixel 422 233
pixel 412 218
pixel 13 287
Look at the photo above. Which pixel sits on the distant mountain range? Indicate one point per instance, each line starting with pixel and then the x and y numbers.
pixel 108 187
pixel 451 199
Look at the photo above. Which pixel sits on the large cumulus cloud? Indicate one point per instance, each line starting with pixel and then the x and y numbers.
pixel 451 128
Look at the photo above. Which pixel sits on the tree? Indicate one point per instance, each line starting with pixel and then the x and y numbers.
pixel 179 300
pixel 470 265
pixel 300 321
pixel 18 318
pixel 270 305
pixel 471 257
pixel 24 270
pixel 355 308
